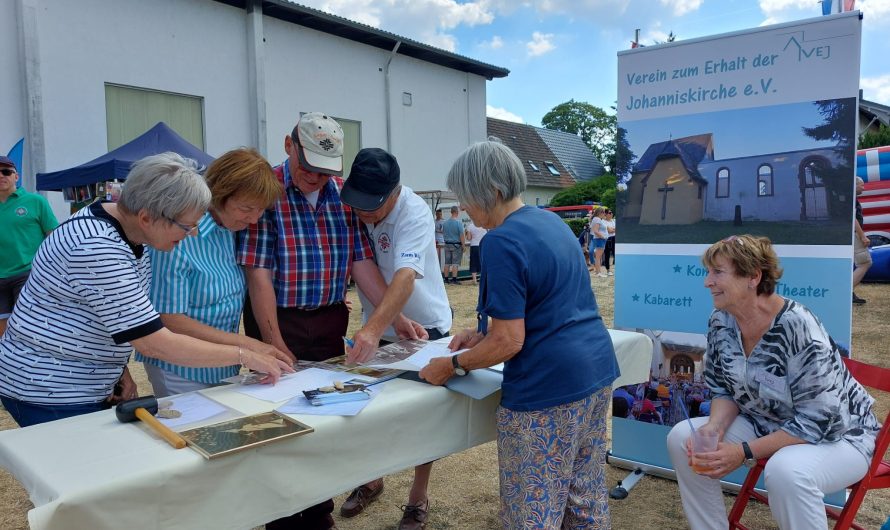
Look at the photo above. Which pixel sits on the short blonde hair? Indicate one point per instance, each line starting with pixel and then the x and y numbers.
pixel 748 255
pixel 245 173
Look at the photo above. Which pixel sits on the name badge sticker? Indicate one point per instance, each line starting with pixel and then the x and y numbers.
pixel 770 381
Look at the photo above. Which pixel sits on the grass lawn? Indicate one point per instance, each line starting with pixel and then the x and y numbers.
pixel 464 486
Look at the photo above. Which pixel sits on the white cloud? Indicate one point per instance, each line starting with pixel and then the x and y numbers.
pixel 876 89
pixel 875 11
pixel 681 7
pixel 540 44
pixel 495 43
pixel 427 21
pixel 502 114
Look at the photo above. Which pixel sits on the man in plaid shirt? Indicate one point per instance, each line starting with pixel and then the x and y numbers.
pixel 298 259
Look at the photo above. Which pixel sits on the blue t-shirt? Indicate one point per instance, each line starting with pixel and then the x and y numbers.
pixel 453 230
pixel 533 268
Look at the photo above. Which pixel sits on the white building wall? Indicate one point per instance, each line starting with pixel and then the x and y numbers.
pixel 12 108
pixel 200 48
pixel 446 114
pixel 538 195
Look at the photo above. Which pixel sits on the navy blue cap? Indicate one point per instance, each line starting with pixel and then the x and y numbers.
pixel 373 177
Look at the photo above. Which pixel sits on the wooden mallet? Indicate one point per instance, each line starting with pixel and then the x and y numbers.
pixel 145 408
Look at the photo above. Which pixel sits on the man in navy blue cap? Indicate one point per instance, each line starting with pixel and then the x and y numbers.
pixel 26 219
pixel 402 234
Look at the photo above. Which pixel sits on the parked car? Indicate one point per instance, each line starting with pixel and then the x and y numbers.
pixel 572 212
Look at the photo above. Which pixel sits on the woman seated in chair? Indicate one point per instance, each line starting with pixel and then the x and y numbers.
pixel 780 391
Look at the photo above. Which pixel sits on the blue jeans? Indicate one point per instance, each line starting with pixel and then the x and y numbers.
pixel 27 414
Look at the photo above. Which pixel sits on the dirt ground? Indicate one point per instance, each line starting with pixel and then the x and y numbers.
pixel 464 487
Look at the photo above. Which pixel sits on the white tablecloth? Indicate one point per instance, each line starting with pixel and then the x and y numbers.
pixel 92 472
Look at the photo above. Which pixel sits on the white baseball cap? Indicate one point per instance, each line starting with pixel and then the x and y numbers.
pixel 319 141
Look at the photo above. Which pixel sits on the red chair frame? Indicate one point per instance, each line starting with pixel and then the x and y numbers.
pixel 877 477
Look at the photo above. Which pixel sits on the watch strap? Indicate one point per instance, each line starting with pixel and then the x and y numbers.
pixel 749 455
pixel 458 369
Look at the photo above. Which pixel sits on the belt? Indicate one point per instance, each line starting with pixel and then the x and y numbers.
pixel 311 309
pixel 452 242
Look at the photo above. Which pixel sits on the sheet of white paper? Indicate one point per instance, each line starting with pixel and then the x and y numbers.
pixel 293 384
pixel 194 407
pixel 499 368
pixel 421 358
pixel 301 405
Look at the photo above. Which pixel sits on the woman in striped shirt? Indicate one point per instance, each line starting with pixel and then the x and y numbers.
pixel 197 287
pixel 85 305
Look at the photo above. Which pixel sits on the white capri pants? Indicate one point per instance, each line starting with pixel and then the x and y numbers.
pixel 797 478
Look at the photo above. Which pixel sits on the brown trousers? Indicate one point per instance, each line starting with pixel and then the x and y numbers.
pixel 313 335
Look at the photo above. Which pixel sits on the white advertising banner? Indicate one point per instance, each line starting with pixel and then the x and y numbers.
pixel 751 132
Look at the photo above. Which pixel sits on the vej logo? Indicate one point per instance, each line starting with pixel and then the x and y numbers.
pixel 807 51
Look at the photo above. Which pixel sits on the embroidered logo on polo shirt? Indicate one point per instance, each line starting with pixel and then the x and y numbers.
pixel 383 242
pixel 21 211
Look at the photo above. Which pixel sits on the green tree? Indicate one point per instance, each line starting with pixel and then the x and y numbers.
pixel 839 126
pixel 878 138
pixel 622 158
pixel 594 125
pixel 600 190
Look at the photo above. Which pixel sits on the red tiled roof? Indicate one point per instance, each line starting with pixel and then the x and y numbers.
pixel 528 146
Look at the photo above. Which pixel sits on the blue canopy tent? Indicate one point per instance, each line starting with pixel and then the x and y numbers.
pixel 116 164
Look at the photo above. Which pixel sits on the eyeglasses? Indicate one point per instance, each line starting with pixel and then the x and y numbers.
pixel 189 230
pixel 7 172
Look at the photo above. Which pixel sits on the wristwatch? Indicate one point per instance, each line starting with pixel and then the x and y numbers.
pixel 458 369
pixel 749 461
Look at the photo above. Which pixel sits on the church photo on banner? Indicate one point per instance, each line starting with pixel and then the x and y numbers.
pixel 751 132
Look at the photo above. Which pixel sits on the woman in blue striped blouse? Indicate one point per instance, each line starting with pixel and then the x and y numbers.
pixel 197 287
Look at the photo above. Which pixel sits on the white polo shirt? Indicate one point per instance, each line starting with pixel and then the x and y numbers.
pixel 406 238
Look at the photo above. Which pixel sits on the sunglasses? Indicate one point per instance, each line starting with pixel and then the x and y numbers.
pixel 7 172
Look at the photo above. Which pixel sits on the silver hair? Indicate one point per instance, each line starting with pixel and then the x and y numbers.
pixel 483 172
pixel 166 186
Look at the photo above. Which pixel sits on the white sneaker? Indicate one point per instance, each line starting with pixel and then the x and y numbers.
pixel 610 273
pixel 603 275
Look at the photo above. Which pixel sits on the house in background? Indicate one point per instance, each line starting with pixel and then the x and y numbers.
pixel 546 169
pixel 573 154
pixel 872 115
pixel 680 182
pixel 81 78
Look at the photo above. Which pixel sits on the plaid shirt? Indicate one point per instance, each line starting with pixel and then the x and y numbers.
pixel 310 251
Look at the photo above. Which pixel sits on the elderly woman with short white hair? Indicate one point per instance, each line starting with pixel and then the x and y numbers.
pixel 546 328
pixel 85 305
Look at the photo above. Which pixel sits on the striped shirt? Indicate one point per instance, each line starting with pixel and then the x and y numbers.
pixel 310 250
pixel 200 279
pixel 67 341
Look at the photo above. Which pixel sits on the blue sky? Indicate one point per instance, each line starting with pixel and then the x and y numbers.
pixel 737 133
pixel 558 50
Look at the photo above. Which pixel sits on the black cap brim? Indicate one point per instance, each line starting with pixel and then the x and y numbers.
pixel 361 200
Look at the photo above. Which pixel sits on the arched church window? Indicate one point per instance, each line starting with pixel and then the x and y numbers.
pixel 723 182
pixel 765 181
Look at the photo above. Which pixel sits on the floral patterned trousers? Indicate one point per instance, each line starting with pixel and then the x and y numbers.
pixel 552 465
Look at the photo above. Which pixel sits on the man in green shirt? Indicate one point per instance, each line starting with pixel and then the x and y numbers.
pixel 26 219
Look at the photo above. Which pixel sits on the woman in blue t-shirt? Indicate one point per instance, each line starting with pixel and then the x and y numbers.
pixel 545 327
